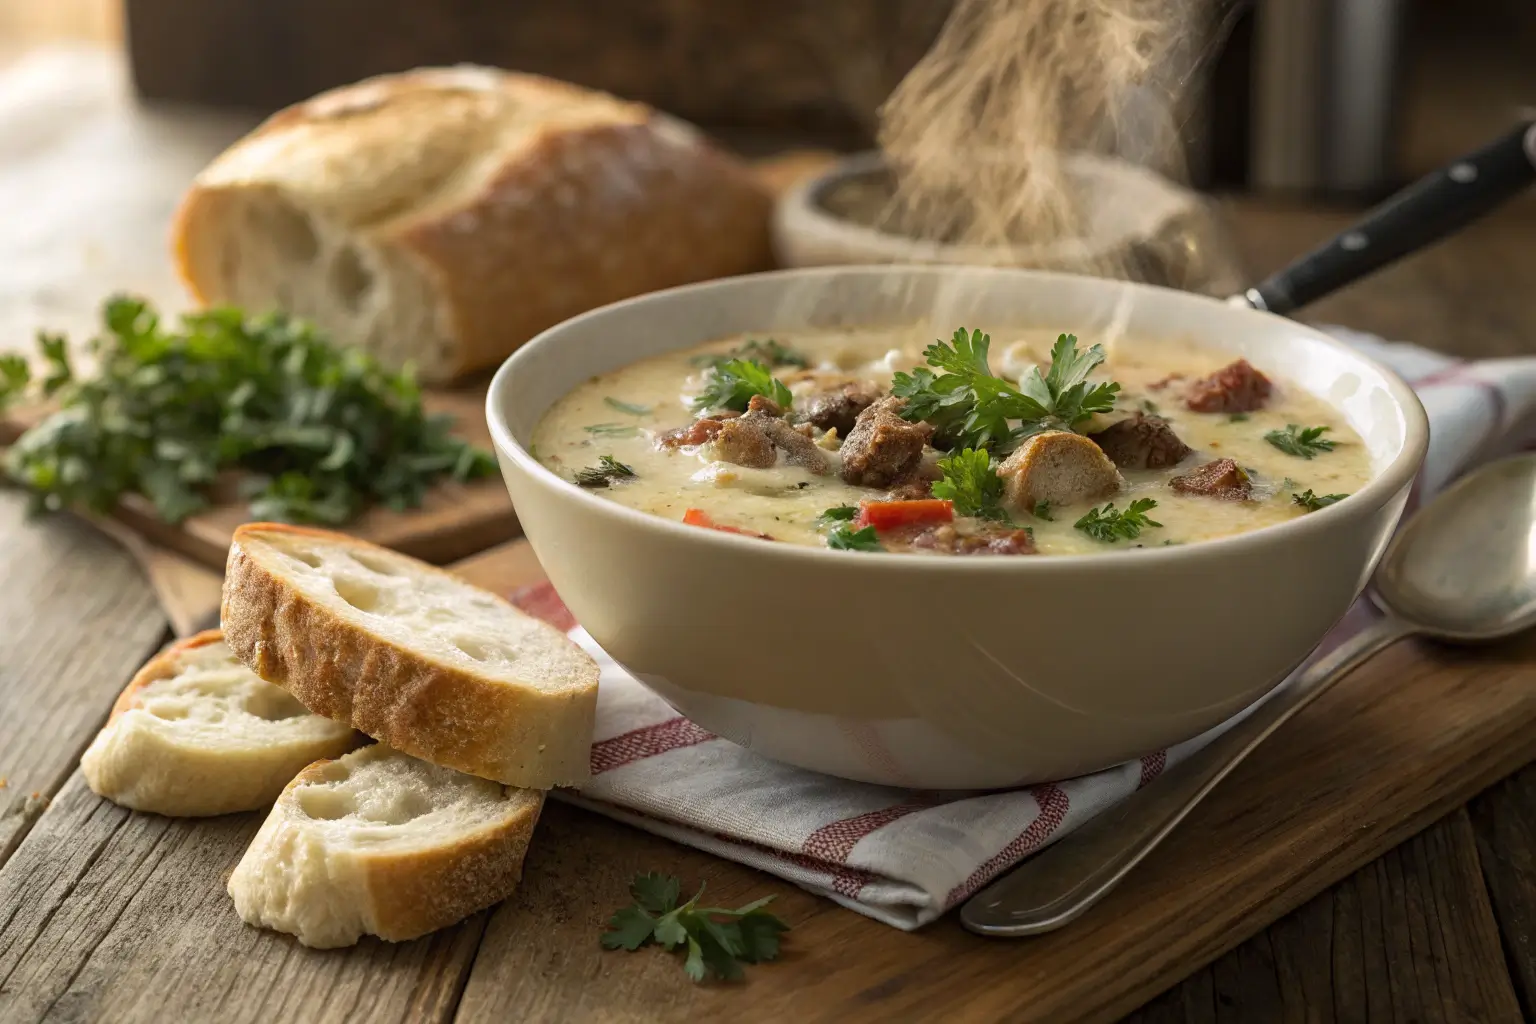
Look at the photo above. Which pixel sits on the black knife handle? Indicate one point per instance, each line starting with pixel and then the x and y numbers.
pixel 1421 214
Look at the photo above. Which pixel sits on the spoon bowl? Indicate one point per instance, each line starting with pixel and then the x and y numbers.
pixel 1464 568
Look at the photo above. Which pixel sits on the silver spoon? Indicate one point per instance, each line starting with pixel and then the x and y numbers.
pixel 1462 570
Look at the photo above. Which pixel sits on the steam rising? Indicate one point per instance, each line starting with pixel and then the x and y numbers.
pixel 991 138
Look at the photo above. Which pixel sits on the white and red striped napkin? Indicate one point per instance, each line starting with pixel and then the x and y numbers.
pixel 907 857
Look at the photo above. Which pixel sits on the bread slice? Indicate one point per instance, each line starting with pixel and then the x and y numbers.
pixel 446 215
pixel 1059 467
pixel 410 654
pixel 381 843
pixel 197 733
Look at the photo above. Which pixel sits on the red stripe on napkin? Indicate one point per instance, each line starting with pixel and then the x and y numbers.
pixel 1052 803
pixel 541 601
pixel 835 840
pixel 647 741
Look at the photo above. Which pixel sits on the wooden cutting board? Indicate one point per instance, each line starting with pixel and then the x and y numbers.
pixel 1407 738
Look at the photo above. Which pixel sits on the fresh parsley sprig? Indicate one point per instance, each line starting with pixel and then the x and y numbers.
pixel 845 538
pixel 1312 502
pixel 971 407
pixel 321 432
pixel 607 470
pixel 1109 524
pixel 1042 510
pixel 717 941
pixel 1302 442
pixel 838 514
pixel 731 385
pixel 970 482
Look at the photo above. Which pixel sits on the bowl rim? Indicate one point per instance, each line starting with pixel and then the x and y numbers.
pixel 1392 478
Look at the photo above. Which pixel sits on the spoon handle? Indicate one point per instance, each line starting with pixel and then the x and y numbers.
pixel 1054 887
pixel 1430 209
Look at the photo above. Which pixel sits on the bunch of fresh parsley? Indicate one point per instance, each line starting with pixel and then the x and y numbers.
pixel 718 941
pixel 1302 442
pixel 1109 524
pixel 970 407
pixel 320 431
pixel 732 384
pixel 970 482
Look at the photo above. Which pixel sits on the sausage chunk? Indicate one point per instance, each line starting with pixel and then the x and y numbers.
pixel 987 539
pixel 1141 442
pixel 1237 387
pixel 1222 479
pixel 838 408
pixel 1059 467
pixel 799 450
pixel 883 448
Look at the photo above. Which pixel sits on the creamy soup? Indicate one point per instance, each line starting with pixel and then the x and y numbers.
pixel 1192 446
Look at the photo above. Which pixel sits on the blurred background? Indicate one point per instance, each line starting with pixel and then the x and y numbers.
pixel 1304 112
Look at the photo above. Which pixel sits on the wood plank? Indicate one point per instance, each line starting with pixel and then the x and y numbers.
pixel 1322 798
pixel 75 619
pixel 110 915
pixel 1505 820
pixel 1410 937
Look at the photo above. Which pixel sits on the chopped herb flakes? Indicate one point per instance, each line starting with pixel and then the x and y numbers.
pixel 1302 442
pixel 627 407
pixel 607 470
pixel 612 429
pixel 1042 510
pixel 1312 502
pixel 717 941
pixel 1109 524
pixel 322 432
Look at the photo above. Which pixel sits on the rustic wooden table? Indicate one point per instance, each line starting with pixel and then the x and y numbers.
pixel 105 915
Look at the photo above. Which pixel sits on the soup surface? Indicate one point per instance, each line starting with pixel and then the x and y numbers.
pixel 1190 447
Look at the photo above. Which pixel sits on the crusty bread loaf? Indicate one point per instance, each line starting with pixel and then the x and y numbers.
pixel 197 733
pixel 1058 467
pixel 446 215
pixel 410 654
pixel 380 843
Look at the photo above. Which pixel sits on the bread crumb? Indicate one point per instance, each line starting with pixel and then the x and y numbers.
pixel 4 782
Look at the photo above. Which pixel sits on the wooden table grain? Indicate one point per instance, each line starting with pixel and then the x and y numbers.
pixel 112 916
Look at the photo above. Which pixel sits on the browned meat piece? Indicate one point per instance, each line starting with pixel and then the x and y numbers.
pixel 1222 479
pixel 917 484
pixel 798 449
pixel 697 432
pixel 1234 388
pixel 987 539
pixel 1058 467
pixel 838 408
pixel 746 442
pixel 763 406
pixel 883 448
pixel 1141 442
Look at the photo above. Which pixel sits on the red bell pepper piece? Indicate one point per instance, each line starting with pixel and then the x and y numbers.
pixel 888 515
pixel 698 517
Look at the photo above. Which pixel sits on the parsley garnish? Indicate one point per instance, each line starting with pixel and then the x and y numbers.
pixel 607 470
pixel 611 429
pixel 1312 502
pixel 1109 525
pixel 718 941
pixel 972 484
pixel 323 432
pixel 845 538
pixel 1149 406
pixel 1302 442
pixel 15 375
pixel 732 384
pixel 769 353
pixel 972 408
pixel 838 514
pixel 629 407
pixel 1042 510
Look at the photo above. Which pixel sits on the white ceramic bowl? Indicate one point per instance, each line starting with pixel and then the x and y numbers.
pixel 951 673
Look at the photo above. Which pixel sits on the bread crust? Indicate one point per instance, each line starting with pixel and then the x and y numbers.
pixel 405 895
pixel 599 200
pixel 435 711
